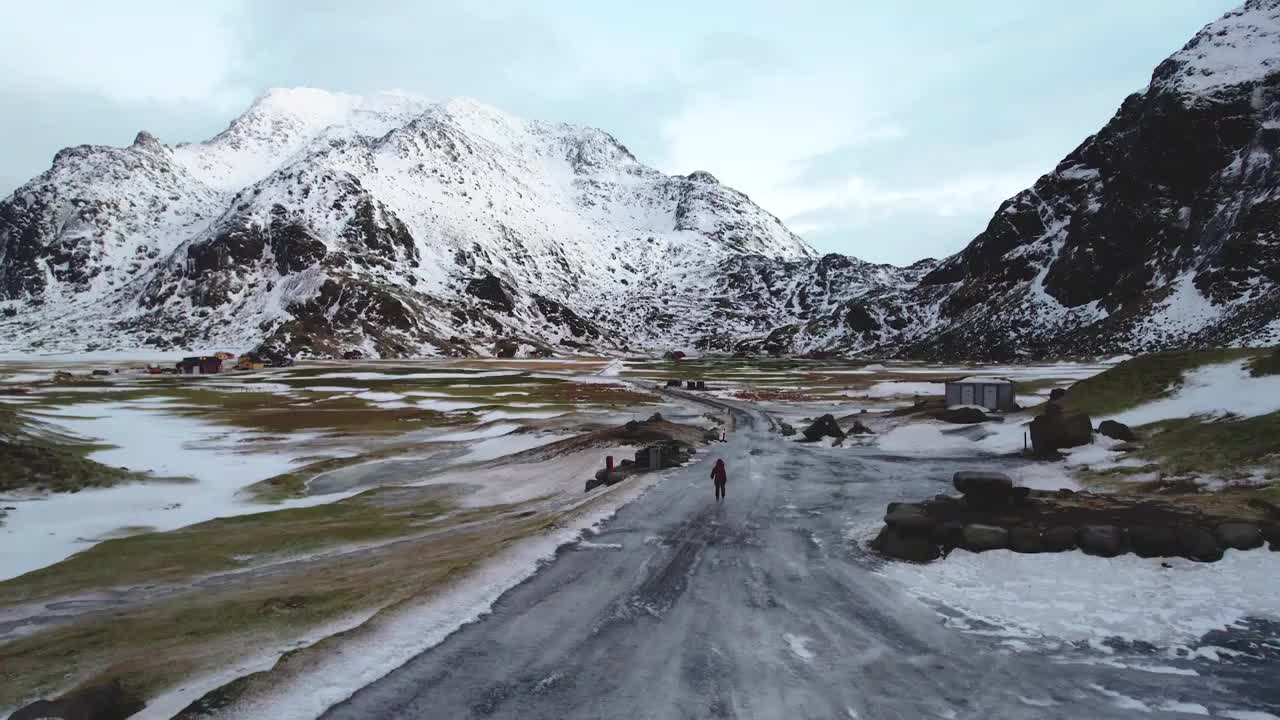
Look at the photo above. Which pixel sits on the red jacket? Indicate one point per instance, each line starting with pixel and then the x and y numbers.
pixel 718 473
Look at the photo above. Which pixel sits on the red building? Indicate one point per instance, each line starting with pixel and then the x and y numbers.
pixel 202 365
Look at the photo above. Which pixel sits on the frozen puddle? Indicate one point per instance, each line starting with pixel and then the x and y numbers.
pixel 40 532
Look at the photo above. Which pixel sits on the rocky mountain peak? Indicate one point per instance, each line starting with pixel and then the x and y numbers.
pixel 1242 47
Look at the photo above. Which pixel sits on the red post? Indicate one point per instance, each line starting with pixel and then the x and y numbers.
pixel 608 463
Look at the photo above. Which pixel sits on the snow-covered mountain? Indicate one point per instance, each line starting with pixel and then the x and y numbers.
pixel 322 223
pixel 328 223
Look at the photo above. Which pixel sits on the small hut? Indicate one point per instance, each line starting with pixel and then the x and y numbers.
pixel 200 365
pixel 991 393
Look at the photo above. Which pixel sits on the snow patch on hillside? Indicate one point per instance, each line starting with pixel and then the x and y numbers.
pixel 1242 46
pixel 1214 391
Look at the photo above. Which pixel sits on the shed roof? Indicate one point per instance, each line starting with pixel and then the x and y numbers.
pixel 977 380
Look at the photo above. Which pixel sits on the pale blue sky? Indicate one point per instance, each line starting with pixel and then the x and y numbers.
pixel 890 131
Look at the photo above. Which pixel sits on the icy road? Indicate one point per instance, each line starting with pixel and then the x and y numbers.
pixel 768 606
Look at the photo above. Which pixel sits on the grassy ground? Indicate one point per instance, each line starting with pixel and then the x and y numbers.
pixel 1225 448
pixel 1266 364
pixel 1143 379
pixel 153 647
pixel 231 543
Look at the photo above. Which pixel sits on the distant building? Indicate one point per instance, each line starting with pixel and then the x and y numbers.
pixel 200 365
pixel 988 392
pixel 250 361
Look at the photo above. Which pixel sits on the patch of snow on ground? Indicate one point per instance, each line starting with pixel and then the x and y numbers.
pixel 895 388
pixel 1212 390
pixel 479 434
pixel 1073 597
pixel 586 545
pixel 613 369
pixel 1247 715
pixel 45 530
pixel 924 438
pixel 446 405
pixel 799 645
pixel 521 482
pixel 380 397
pixel 409 376
pixel 1185 708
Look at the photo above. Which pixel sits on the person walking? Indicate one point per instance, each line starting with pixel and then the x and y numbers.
pixel 721 477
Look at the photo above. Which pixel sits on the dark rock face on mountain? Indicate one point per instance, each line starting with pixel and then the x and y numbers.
pixel 1159 231
pixel 321 223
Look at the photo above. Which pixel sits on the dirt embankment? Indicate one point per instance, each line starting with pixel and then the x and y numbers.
pixel 634 433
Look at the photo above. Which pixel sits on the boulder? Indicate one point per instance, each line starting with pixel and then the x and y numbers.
pixel 972 482
pixel 1054 430
pixel 987 489
pixel 107 701
pixel 980 538
pixel 825 426
pixel 908 518
pixel 948 534
pixel 1270 531
pixel 1057 393
pixel 1101 540
pixel 656 417
pixel 1239 535
pixel 904 546
pixel 1117 431
pixel 1025 539
pixel 860 429
pixel 787 430
pixel 1059 538
pixel 962 415
pixel 1197 543
pixel 1150 541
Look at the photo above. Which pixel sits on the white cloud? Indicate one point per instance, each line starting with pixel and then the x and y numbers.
pixel 967 194
pixel 143 50
pixel 759 138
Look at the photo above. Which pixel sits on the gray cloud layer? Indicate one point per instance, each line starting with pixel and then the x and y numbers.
pixel 887 133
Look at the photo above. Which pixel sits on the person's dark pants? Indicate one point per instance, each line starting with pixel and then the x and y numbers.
pixel 719 489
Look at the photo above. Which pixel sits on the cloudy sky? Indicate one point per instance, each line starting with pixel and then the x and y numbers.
pixel 886 132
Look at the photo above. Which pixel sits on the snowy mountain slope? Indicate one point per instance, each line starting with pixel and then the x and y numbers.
pixel 392 226
pixel 1159 231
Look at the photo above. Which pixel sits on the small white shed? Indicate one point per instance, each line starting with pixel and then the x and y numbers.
pixel 991 393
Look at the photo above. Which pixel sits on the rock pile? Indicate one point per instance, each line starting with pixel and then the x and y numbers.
pixel 665 453
pixel 1117 431
pixel 963 415
pixel 994 514
pixel 825 426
